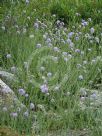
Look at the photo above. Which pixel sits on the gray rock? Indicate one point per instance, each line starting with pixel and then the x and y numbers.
pixel 8 97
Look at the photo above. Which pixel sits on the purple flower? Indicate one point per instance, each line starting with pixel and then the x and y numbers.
pixel 44 88
pixel 93 96
pixel 21 92
pixel 70 34
pixel 77 50
pixel 84 23
pixel 77 38
pixel 14 114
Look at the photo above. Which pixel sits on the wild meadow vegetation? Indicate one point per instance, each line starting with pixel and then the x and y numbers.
pixel 51 58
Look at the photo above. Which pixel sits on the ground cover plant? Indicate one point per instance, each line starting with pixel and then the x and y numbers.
pixel 51 67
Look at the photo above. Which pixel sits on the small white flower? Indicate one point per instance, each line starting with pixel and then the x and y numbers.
pixel 24 11
pixel 79 65
pixel 26 95
pixel 38 45
pixel 97 39
pixel 55 59
pixel 25 65
pixel 49 74
pixel 43 77
pixel 91 41
pixel 68 93
pixel 32 106
pixel 4 109
pixel 69 41
pixel 27 1
pixel 89 19
pixel 65 59
pixel 83 92
pixel 84 62
pixel 3 28
pixel 13 69
pixel 26 114
pixel 18 32
pixel 81 77
pixel 93 61
pixel 54 15
pixel 92 30
pixel 89 49
pixel 56 88
pixel 42 68
pixel 58 22
pixel 69 56
pixel 56 49
pixel 8 56
pixel 71 45
pixel 44 36
pixel 87 35
pixel 82 52
pixel 82 98
pixel 31 36
pixel 77 14
pixel 36 25
pixel 24 30
pixel 28 17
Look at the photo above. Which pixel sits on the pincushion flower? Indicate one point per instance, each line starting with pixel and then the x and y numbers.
pixel 44 88
pixel 21 92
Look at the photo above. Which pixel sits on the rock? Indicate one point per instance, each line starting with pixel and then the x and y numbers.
pixel 8 76
pixel 8 97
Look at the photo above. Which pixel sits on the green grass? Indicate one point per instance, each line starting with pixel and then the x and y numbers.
pixel 62 110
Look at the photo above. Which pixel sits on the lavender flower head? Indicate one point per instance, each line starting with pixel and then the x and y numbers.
pixel 44 88
pixel 14 114
pixel 21 92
